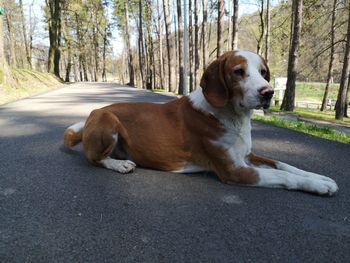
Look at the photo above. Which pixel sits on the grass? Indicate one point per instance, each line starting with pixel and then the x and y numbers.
pixel 313 91
pixel 313 114
pixel 322 132
pixel 27 83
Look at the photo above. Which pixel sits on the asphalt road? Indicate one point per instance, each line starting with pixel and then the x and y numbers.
pixel 56 207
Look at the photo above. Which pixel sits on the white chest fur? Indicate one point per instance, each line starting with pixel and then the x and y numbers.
pixel 237 138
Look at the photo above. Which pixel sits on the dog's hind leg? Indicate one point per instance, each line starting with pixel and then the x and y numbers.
pixel 100 138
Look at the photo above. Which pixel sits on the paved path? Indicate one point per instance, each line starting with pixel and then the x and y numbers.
pixel 55 207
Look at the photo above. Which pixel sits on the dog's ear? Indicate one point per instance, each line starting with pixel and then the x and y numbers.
pixel 213 83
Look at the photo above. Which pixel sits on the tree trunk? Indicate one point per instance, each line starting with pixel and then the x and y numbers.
pixel 235 25
pixel 24 32
pixel 142 61
pixel 105 43
pixel 347 100
pixel 169 46
pixel 160 41
pixel 8 14
pixel 180 47
pixel 175 49
pixel 196 45
pixel 149 45
pixel 31 29
pixel 128 45
pixel 205 40
pixel 68 43
pixel 262 28
pixel 289 96
pixel 69 64
pixel 341 99
pixel 190 38
pixel 54 36
pixel 220 29
pixel 331 61
pixel 267 39
pixel 2 55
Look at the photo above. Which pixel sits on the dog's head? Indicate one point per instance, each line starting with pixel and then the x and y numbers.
pixel 240 78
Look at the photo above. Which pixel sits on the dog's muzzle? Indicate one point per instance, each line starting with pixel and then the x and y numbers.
pixel 266 94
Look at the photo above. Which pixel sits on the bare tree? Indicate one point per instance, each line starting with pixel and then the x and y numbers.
pixel 11 32
pixel 196 44
pixel 2 55
pixel 267 38
pixel 180 47
pixel 54 23
pixel 331 60
pixel 142 60
pixel 171 72
pixel 160 44
pixel 190 39
pixel 341 99
pixel 235 25
pixel 205 41
pixel 289 96
pixel 24 32
pixel 262 28
pixel 149 46
pixel 128 45
pixel 220 29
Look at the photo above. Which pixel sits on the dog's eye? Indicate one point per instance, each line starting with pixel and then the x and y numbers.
pixel 239 72
pixel 263 72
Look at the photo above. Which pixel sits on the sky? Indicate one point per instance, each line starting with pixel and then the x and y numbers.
pixel 41 35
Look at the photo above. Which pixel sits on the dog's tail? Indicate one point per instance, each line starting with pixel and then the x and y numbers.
pixel 73 134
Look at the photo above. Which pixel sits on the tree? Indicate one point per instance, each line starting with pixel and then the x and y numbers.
pixel 128 45
pixel 262 27
pixel 220 29
pixel 205 42
pixel 170 52
pixel 142 60
pixel 190 38
pixel 11 32
pixel 341 99
pixel 235 25
pixel 267 39
pixel 180 47
pixel 150 64
pixel 160 44
pixel 25 38
pixel 331 60
pixel 196 45
pixel 54 23
pixel 2 55
pixel 289 96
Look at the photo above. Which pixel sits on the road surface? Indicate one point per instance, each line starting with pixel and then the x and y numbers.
pixel 56 207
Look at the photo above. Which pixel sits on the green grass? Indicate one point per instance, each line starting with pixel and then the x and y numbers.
pixel 27 83
pixel 322 132
pixel 328 116
pixel 313 91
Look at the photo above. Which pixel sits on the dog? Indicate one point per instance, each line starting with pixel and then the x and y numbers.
pixel 208 130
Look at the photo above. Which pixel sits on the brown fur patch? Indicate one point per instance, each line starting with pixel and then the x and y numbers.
pixel 72 138
pixel 258 160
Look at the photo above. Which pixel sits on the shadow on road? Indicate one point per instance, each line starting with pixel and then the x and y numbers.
pixel 56 207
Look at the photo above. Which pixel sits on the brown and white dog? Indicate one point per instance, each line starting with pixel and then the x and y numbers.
pixel 209 130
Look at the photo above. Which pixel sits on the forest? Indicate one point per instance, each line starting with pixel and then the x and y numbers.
pixel 167 44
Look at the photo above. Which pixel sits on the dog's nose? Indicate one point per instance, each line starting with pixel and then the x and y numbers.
pixel 266 92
